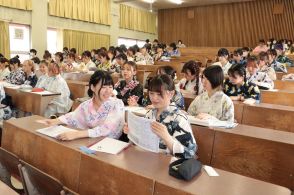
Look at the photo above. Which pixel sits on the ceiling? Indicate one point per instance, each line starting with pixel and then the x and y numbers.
pixel 167 4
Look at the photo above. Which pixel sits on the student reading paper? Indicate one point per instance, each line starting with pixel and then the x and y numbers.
pixel 102 115
pixel 171 125
pixel 213 103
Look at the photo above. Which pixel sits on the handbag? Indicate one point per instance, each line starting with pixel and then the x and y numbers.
pixel 185 169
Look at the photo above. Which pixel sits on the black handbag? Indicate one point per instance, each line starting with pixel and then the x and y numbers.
pixel 185 169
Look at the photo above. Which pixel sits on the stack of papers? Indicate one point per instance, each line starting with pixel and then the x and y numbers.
pixel 54 131
pixel 44 93
pixel 211 123
pixel 109 145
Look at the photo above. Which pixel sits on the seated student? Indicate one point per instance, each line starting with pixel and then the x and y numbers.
pixel 174 51
pixel 59 60
pixel 145 59
pixel 17 75
pixel 129 87
pixel 102 115
pixel 238 57
pixel 213 103
pixel 261 47
pixel 265 67
pixel 171 125
pixel 237 87
pixel 86 57
pixel 180 44
pixel 57 84
pixel 71 63
pixel 111 55
pixel 192 81
pixel 121 59
pixel 178 98
pixel 281 57
pixel 254 75
pixel 246 52
pixel 28 68
pixel 131 54
pixel 277 66
pixel 161 55
pixel 223 60
pixel 104 61
pixel 33 53
pixel 5 111
pixel 42 80
pixel 47 56
pixel 4 71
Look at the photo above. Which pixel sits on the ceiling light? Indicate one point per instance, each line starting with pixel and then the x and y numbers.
pixel 176 1
pixel 149 1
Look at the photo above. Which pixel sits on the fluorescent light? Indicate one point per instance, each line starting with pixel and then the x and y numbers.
pixel 176 1
pixel 149 1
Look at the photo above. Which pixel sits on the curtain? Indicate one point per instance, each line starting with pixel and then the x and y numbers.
pixel 84 40
pixel 4 39
pixel 136 19
pixel 96 11
pixel 18 4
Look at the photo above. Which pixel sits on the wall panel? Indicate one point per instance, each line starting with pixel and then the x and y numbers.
pixel 231 25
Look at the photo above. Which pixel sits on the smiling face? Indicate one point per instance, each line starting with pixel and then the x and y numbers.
pixel 103 93
pixel 43 68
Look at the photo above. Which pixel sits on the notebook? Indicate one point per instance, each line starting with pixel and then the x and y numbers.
pixel 54 131
pixel 211 123
pixel 109 145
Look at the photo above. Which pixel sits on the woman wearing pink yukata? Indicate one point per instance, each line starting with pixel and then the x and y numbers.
pixel 102 115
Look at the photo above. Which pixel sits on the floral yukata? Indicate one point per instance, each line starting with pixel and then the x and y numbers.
pixel 179 128
pixel 108 120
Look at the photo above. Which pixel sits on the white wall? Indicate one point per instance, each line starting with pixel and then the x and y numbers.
pixel 39 37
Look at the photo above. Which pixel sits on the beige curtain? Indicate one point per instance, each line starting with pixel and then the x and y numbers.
pixel 4 39
pixel 136 19
pixel 84 40
pixel 18 4
pixel 96 11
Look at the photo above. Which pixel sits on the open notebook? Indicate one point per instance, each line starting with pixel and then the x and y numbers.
pixel 54 131
pixel 109 145
pixel 211 123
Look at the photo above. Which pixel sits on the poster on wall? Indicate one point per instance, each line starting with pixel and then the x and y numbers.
pixel 18 33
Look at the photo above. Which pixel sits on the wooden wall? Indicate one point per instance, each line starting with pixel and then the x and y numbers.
pixel 235 24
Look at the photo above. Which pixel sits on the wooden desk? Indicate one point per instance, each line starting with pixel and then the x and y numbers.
pixel 141 168
pixel 78 89
pixel 6 190
pixel 58 159
pixel 280 97
pixel 269 116
pixel 132 171
pixel 30 102
pixel 255 152
pixel 284 85
pixel 77 76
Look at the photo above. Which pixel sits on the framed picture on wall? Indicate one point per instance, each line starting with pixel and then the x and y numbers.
pixel 18 33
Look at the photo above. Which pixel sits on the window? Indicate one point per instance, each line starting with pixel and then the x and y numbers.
pixel 52 40
pixel 130 42
pixel 19 36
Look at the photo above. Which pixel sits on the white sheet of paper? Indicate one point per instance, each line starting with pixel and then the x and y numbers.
pixel 136 109
pixel 44 93
pixel 211 123
pixel 109 145
pixel 54 131
pixel 141 134
pixel 210 171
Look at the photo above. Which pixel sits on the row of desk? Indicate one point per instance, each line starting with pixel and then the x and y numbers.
pixel 135 171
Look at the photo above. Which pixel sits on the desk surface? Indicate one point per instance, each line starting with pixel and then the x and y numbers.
pixel 30 102
pixel 133 162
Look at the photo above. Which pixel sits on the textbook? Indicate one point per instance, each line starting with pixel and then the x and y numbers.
pixel 211 123
pixel 54 131
pixel 109 145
